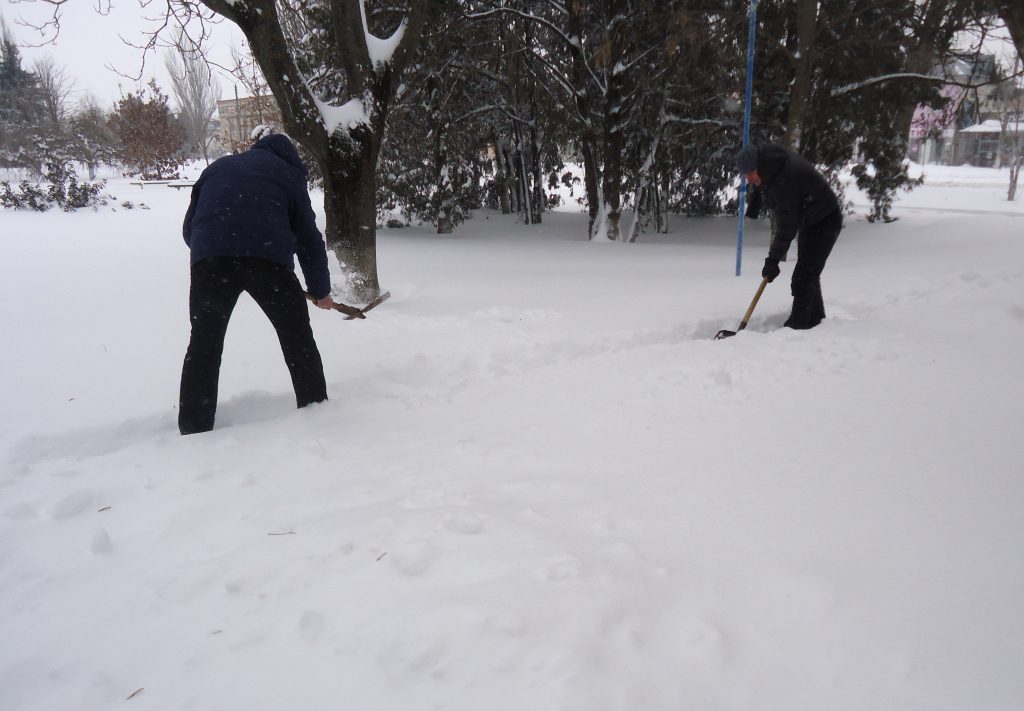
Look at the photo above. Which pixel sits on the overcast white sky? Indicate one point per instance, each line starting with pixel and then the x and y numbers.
pixel 89 44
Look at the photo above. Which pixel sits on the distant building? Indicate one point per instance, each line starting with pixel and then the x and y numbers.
pixel 969 130
pixel 983 142
pixel 239 116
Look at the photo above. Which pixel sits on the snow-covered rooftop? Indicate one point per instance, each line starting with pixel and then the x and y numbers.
pixel 994 126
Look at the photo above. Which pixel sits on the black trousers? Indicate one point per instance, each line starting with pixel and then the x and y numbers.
pixel 217 283
pixel 815 244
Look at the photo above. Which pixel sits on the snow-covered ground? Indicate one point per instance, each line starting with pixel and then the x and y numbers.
pixel 538 484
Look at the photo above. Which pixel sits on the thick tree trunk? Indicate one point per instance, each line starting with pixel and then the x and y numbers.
pixel 350 203
pixel 614 106
pixel 611 188
pixel 611 184
pixel 587 139
pixel 800 90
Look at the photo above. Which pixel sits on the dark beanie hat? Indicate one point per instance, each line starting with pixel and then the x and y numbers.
pixel 746 159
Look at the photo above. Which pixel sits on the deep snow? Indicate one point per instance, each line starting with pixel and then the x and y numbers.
pixel 539 484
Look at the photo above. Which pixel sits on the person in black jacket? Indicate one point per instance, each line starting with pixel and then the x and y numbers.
pixel 805 207
pixel 250 214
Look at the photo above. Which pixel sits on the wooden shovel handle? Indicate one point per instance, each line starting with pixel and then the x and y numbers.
pixel 350 311
pixel 750 311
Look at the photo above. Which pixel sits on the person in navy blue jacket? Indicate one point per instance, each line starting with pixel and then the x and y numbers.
pixel 249 216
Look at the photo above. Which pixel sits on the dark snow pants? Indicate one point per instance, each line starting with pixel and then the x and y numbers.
pixel 814 244
pixel 217 282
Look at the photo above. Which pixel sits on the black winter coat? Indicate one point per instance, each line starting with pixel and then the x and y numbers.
pixel 799 195
pixel 256 204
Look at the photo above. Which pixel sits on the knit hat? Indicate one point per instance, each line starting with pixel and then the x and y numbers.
pixel 746 159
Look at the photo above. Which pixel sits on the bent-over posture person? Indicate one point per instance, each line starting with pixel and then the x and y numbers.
pixel 806 208
pixel 249 216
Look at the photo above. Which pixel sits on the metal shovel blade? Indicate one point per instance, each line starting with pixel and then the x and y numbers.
pixel 746 317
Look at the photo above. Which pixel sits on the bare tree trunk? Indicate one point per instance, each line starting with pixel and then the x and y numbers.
pixel 442 181
pixel 591 182
pixel 512 170
pixel 584 107
pixel 445 224
pixel 646 180
pixel 522 177
pixel 350 206
pixel 663 201
pixel 500 173
pixel 537 168
pixel 1012 142
pixel 614 138
pixel 800 91
pixel 645 186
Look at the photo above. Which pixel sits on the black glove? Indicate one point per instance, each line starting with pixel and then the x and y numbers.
pixel 771 269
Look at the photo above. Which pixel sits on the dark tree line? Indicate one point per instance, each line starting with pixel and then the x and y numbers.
pixel 435 108
pixel 646 95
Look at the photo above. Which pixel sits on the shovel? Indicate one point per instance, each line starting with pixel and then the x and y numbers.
pixel 350 311
pixel 353 312
pixel 746 317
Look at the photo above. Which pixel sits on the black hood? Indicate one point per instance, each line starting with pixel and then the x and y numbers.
pixel 771 159
pixel 281 146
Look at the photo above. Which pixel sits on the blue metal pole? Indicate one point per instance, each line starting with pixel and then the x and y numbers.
pixel 751 29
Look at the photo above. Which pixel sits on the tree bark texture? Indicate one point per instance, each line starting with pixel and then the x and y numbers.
pixel 584 117
pixel 800 90
pixel 614 104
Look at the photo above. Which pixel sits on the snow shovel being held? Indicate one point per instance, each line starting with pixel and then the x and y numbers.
pixel 350 311
pixel 746 317
pixel 353 312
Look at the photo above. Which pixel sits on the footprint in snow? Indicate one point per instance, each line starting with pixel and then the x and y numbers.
pixel 468 524
pixel 71 505
pixel 722 377
pixel 413 559
pixel 101 543
pixel 311 625
pixel 562 568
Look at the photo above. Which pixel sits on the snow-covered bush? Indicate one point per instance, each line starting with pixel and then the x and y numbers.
pixel 61 189
pixel 27 197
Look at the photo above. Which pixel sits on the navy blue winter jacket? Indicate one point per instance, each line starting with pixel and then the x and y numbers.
pixel 256 204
